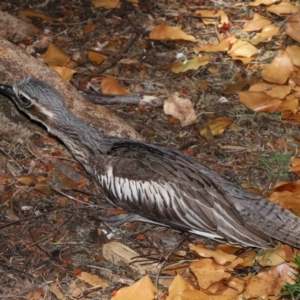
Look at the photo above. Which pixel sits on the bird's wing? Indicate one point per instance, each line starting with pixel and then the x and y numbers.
pixel 177 190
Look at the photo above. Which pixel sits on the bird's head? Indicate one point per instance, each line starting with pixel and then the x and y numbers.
pixel 37 99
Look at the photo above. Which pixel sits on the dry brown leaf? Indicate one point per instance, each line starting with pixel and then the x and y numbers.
pixel 176 288
pixel 231 287
pixel 35 14
pixel 259 101
pixel 224 45
pixel 142 289
pixel 201 295
pixel 274 257
pixel 192 64
pixel 294 52
pixel 208 272
pixel 265 35
pixel 64 72
pixel 76 288
pixel 219 256
pixel 234 88
pixel 92 279
pixel 164 32
pixel 228 248
pixel 248 258
pixel 216 126
pixel 292 27
pixel 243 49
pixel 110 86
pixel 54 289
pixel 180 108
pixel 258 22
pixel 55 56
pixel 96 57
pixel 273 90
pixel 260 2
pixel 244 60
pixel 219 15
pixel 280 69
pixel 116 252
pixel 268 283
pixel 108 4
pixel 283 9
pixel 290 104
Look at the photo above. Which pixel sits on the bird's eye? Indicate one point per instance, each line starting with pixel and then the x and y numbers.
pixel 25 101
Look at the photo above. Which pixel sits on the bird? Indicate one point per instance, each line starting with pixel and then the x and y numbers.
pixel 157 184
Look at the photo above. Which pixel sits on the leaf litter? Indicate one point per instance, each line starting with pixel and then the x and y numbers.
pixel 217 273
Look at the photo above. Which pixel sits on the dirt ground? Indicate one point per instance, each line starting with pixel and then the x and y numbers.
pixel 48 237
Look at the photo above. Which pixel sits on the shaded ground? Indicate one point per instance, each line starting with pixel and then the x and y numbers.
pixel 51 237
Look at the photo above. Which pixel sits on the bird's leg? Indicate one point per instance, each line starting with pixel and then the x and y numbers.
pixel 118 220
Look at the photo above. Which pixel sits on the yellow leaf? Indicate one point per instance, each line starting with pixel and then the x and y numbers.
pixel 216 126
pixel 192 64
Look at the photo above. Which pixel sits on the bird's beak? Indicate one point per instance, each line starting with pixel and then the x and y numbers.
pixel 7 90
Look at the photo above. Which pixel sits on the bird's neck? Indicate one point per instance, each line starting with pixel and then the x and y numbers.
pixel 83 140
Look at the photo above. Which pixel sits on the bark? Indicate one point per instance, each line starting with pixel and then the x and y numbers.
pixel 15 64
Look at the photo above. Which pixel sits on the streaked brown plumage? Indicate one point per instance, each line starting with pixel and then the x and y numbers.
pixel 160 184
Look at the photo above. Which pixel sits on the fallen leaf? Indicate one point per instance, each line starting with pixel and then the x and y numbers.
pixel 164 32
pixel 181 109
pixel 208 272
pixel 95 57
pixel 294 52
pixel 259 101
pixel 283 9
pixel 216 126
pixel 140 290
pixel 279 70
pixel 176 288
pixel 191 64
pixel 224 45
pixel 292 27
pixel 55 56
pixel 91 279
pixel 110 86
pixel 260 2
pixel 35 14
pixel 274 257
pixel 243 49
pixel 273 90
pixel 257 23
pixel 116 252
pixel 108 4
pixel 64 72
pixel 215 17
